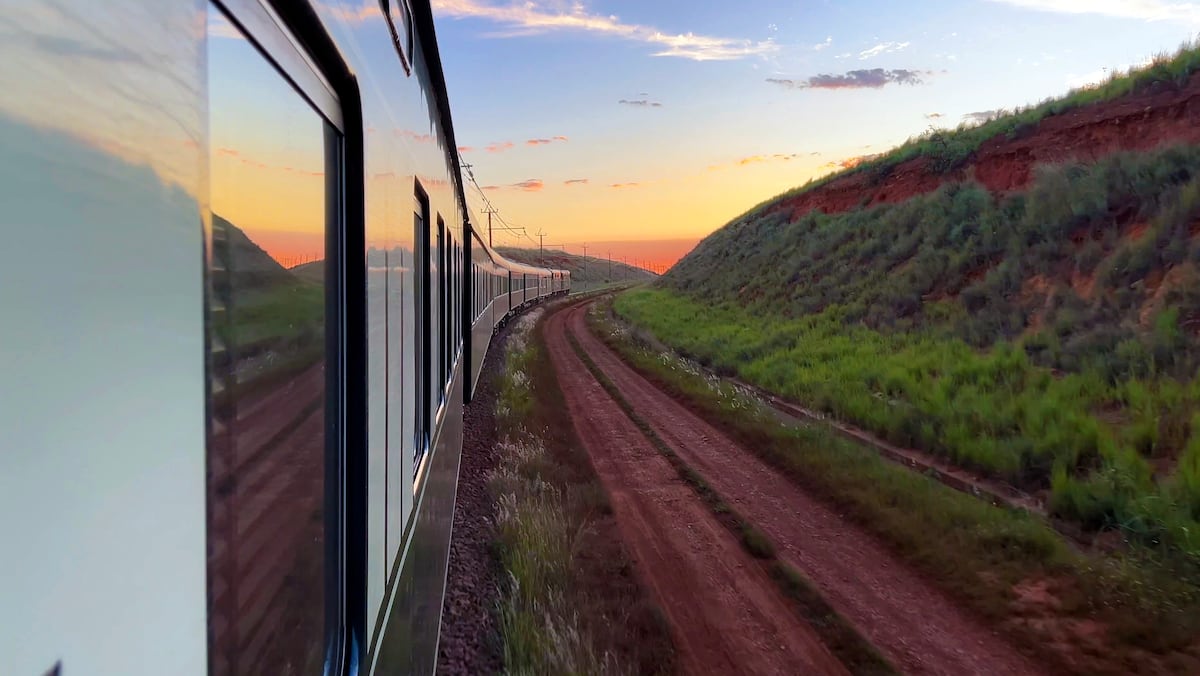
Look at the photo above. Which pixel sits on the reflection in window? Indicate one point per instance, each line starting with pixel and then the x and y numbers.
pixel 267 331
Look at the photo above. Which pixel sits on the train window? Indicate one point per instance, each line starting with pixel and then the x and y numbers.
pixel 400 24
pixel 443 256
pixel 274 165
pixel 422 259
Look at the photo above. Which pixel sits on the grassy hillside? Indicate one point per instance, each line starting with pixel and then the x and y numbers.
pixel 1046 333
pixel 586 273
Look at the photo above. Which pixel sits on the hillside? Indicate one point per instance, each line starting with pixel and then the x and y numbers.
pixel 1020 297
pixel 585 273
pixel 1077 232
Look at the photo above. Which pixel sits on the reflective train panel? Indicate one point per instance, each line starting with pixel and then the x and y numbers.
pixel 244 310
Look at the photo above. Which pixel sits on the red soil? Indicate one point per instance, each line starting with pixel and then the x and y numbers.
pixel 726 614
pixel 918 628
pixel 1158 115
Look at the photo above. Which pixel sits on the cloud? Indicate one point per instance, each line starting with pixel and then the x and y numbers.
pixel 465 149
pixel 934 116
pixel 412 135
pixel 364 12
pixel 882 48
pixel 642 103
pixel 624 185
pixel 490 187
pixel 981 116
pixel 545 141
pixel 499 147
pixel 756 159
pixel 1145 10
pixel 856 79
pixel 530 185
pixel 575 181
pixel 544 16
pixel 823 45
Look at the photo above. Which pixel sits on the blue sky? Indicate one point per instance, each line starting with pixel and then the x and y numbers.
pixel 754 97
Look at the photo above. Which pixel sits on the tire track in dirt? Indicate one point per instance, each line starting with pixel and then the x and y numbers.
pixel 725 612
pixel 918 628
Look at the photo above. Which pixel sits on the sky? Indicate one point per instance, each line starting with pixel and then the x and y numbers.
pixel 641 126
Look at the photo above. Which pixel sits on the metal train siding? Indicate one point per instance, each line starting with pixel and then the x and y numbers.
pixel 244 309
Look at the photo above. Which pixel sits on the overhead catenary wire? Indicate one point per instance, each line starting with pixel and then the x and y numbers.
pixel 490 207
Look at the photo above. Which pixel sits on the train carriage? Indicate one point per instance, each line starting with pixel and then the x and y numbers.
pixel 245 308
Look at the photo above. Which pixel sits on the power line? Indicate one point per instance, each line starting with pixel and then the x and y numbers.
pixel 491 209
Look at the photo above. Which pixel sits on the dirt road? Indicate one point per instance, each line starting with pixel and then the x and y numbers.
pixel 913 624
pixel 725 612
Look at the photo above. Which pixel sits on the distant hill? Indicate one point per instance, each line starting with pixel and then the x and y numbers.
pixel 249 265
pixel 313 271
pixel 590 271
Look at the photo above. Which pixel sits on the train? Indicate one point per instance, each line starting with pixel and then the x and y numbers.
pixel 245 305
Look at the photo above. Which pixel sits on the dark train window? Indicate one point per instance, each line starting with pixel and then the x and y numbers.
pixel 422 259
pixel 273 161
pixel 443 255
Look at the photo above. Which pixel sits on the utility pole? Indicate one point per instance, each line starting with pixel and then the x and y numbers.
pixel 584 263
pixel 489 211
pixel 609 266
pixel 541 247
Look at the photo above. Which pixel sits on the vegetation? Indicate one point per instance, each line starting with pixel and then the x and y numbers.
pixel 1048 338
pixel 950 150
pixel 568 602
pixel 981 554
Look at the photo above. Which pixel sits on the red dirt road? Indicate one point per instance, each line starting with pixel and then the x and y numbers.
pixel 911 622
pixel 725 612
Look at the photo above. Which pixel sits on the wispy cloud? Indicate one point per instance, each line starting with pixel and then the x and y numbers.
pixel 365 11
pixel 624 185
pixel 823 45
pixel 545 141
pixel 541 16
pixel 465 149
pixel 499 147
pixel 530 185
pixel 934 116
pixel 757 159
pixel 882 48
pixel 1145 10
pixel 873 78
pixel 642 103
pixel 575 181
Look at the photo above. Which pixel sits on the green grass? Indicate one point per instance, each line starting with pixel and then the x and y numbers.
pixel 288 313
pixel 995 411
pixel 568 604
pixel 976 551
pixel 843 640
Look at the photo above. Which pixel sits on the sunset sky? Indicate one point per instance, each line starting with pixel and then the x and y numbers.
pixel 628 120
